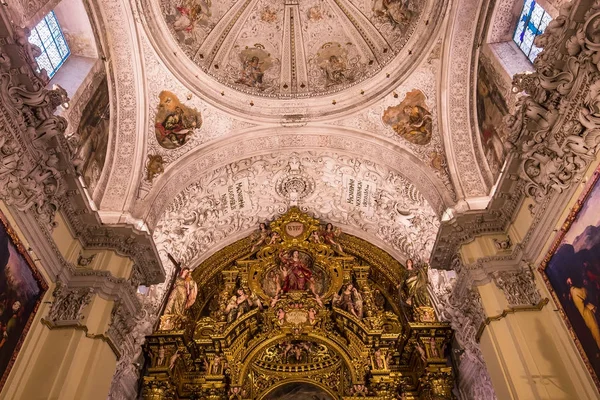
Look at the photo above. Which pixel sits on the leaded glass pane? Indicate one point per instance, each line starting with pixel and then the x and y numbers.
pixel 48 36
pixel 532 22
pixel 536 17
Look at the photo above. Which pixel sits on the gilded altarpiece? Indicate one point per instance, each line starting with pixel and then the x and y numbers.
pixel 299 310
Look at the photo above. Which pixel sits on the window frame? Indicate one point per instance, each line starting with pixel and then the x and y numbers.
pixel 525 25
pixel 51 44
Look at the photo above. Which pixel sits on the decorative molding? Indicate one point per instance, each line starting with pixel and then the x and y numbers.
pixel 555 129
pixel 68 304
pixel 518 287
pixel 461 148
pixel 83 328
pixel 458 302
pixel 506 312
pixel 348 190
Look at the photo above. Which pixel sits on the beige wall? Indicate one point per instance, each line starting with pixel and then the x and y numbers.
pixel 71 362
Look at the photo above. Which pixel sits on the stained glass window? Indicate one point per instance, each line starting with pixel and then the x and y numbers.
pixel 532 23
pixel 48 36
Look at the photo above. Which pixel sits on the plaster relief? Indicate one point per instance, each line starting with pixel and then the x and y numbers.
pixel 390 207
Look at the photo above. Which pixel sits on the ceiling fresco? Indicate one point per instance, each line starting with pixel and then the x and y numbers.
pixel 292 49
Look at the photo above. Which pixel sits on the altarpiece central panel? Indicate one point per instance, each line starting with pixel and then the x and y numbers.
pixel 299 310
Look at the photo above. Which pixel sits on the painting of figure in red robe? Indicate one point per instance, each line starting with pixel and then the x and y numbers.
pixel 21 290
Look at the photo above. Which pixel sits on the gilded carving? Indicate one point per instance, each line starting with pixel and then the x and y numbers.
pixel 296 313
pixel 182 297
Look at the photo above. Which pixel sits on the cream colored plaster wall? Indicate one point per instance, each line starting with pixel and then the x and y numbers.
pixel 68 363
pixel 104 260
pixel 530 354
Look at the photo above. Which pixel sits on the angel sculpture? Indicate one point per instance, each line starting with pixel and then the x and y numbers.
pixel 350 300
pixel 240 303
pixel 329 236
pixel 183 295
pixel 261 237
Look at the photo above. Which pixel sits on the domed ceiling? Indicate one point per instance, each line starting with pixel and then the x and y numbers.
pixel 345 52
pixel 222 97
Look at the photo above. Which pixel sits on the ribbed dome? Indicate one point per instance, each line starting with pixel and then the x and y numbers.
pixel 297 49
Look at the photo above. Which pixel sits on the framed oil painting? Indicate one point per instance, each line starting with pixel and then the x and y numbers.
pixel 572 272
pixel 21 290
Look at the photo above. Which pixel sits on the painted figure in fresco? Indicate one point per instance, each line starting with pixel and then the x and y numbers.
pixel 92 134
pixel 415 286
pixel 332 58
pixel 173 127
pixel 350 300
pixel 154 167
pixel 329 236
pixel 295 272
pixel 174 122
pixel 491 109
pixel 334 70
pixel 579 297
pixel 183 295
pixel 191 12
pixel 255 61
pixel 251 74
pixel 411 119
pixel 399 12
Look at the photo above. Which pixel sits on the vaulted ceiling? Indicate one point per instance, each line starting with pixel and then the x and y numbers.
pixel 224 114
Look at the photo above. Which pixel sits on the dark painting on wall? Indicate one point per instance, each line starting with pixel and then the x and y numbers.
pixel 491 108
pixel 21 290
pixel 572 272
pixel 93 133
pixel 298 391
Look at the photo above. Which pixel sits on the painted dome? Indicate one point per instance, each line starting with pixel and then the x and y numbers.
pixel 294 50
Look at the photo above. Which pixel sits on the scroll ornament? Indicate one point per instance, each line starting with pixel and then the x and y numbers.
pixel 32 143
pixel 555 129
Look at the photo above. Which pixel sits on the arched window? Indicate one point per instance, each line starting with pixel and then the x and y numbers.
pixel 532 22
pixel 48 36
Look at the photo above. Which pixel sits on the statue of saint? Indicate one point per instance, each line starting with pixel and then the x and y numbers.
pixel 295 272
pixel 183 295
pixel 350 300
pixel 415 286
